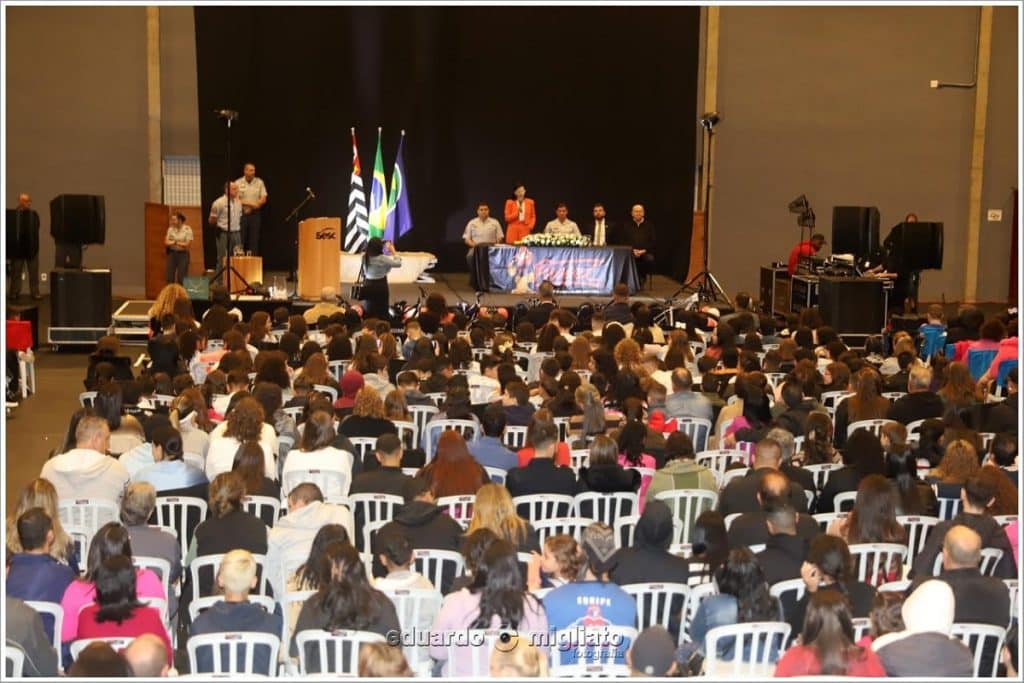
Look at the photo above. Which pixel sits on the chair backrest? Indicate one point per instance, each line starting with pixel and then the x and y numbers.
pixel 914 427
pixel 893 395
pixel 795 586
pixel 625 530
pixel 821 473
pixel 978 362
pixel 416 608
pixel 341 647
pixel 496 474
pixel 1005 520
pixel 1013 586
pixel 328 390
pixel 729 519
pixel 117 643
pixel 597 645
pixel 573 526
pixel 861 627
pixel 579 458
pixel 873 426
pixel 718 460
pixel 605 507
pixel 990 559
pixel 434 429
pixel 438 397
pixel 81 538
pixel 438 564
pixel 14 661
pixel 240 649
pixel 183 514
pixel 697 428
pixel 212 563
pixel 658 604
pixel 698 593
pixel 159 566
pixel 874 560
pixel 459 508
pixel 757 646
pixel 948 507
pixel 420 416
pixel 199 605
pixel 824 519
pixel 326 479
pixel 364 446
pixel 514 437
pixel 87 513
pixel 734 473
pixel 830 399
pixel 985 642
pixel 844 501
pixel 263 508
pixel 986 440
pixel 538 506
pixel 469 652
pixel 295 412
pixel 895 586
pixel 374 507
pixel 687 504
pixel 55 612
pixel 408 433
pixel 86 398
pixel 563 428
pixel 918 528
pixel 337 368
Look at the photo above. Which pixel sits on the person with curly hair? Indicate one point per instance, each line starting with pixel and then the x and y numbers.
pixel 367 418
pixel 244 422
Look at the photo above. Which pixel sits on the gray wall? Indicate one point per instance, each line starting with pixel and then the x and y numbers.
pixel 76 117
pixel 834 102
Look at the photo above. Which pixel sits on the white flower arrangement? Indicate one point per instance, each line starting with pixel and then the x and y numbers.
pixel 541 239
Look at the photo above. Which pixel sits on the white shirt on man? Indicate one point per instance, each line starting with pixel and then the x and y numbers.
pixel 557 227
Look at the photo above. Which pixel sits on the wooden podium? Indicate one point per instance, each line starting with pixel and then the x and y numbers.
pixel 157 218
pixel 319 247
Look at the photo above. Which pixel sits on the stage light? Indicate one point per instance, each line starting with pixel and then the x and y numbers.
pixel 710 120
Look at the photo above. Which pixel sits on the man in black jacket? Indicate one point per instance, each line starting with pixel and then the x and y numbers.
pixel 638 233
pixel 600 230
pixel 920 403
pixel 741 493
pixel 1002 416
pixel 424 524
pixel 539 314
pixel 785 550
pixel 22 240
pixel 388 479
pixel 540 475
pixel 976 495
pixel 751 528
pixel 618 310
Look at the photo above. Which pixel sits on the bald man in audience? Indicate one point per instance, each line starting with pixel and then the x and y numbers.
pixel 920 403
pixel 752 528
pixel 741 493
pixel 147 657
pixel 328 305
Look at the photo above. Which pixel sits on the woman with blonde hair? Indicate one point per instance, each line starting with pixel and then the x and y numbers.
pixel 493 509
pixel 164 304
pixel 40 493
pixel 518 658
pixel 190 417
pixel 382 660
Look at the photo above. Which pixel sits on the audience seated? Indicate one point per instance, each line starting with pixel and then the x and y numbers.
pixel 740 495
pixel 25 632
pixel 829 567
pixel 826 644
pixel 541 474
pixel 86 471
pixel 862 456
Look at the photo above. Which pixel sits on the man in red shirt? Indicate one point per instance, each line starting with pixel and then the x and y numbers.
pixel 808 248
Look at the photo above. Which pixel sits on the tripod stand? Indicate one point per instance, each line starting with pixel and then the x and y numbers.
pixel 705 284
pixel 226 269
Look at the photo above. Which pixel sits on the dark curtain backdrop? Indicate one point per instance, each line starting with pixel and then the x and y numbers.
pixel 581 104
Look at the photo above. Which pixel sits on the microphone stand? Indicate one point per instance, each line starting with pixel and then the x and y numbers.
pixel 226 268
pixel 293 274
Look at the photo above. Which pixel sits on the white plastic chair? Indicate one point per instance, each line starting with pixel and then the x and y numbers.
pixel 698 593
pixel 212 562
pixel 831 399
pixel 698 430
pixel 87 398
pixel 735 473
pixel 1013 586
pixel 420 416
pixel 538 506
pixel 328 390
pixel 179 513
pixel 572 526
pixel 658 603
pixel 514 437
pixel 563 427
pixel 263 508
pixel 873 426
pixel 295 412
pixel 976 637
pixel 718 460
pixel 291 605
pixel 460 508
pixel 82 539
pixel 729 519
pixel 895 586
pixel 159 566
pixel 438 397
pixel 1005 520
pixel 893 395
pixel 416 609
pixel 117 643
pixel 598 645
pixel 337 368
pixel 55 610
pixel 918 528
pixel 87 513
pixel 824 519
pixel 605 507
pixel 364 447
pixel 763 640
pixel 780 588
pixel 914 428
pixel 467 428
pixel 326 479
pixel 948 507
pixel 990 558
pixel 14 661
pixel 496 475
pixel 821 473
pixel 579 458
pixel 408 433
pixel 625 530
pixel 344 645
pixel 687 505
pixel 432 564
pixel 373 507
pixel 861 627
pixel 842 499
pixel 876 559
pixel 240 646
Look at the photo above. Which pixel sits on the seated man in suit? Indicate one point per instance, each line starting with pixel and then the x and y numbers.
pixel 600 229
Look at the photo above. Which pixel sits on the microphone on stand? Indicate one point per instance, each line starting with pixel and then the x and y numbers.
pixel 310 193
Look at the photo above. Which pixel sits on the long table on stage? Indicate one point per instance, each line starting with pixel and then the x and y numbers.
pixel 572 270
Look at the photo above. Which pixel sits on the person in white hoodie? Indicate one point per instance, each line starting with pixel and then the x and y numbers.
pixel 86 471
pixel 289 541
pixel 925 649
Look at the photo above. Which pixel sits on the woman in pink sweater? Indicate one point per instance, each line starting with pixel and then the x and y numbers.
pixel 631 454
pixel 110 540
pixel 495 599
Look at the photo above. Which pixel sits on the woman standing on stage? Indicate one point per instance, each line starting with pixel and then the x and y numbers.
pixel 378 260
pixel 520 215
pixel 177 241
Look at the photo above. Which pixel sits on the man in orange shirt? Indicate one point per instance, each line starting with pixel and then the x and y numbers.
pixel 807 248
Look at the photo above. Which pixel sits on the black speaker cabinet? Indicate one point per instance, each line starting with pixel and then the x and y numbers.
pixel 80 298
pixel 918 246
pixel 78 219
pixel 855 230
pixel 852 305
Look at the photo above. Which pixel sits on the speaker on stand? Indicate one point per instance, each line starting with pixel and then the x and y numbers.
pixel 76 220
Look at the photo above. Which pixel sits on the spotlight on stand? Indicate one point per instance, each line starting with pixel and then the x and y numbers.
pixel 710 120
pixel 802 207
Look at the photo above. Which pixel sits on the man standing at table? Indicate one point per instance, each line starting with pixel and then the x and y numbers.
pixel 481 230
pixel 599 230
pixel 639 234
pixel 562 225
pixel 252 191
pixel 227 237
